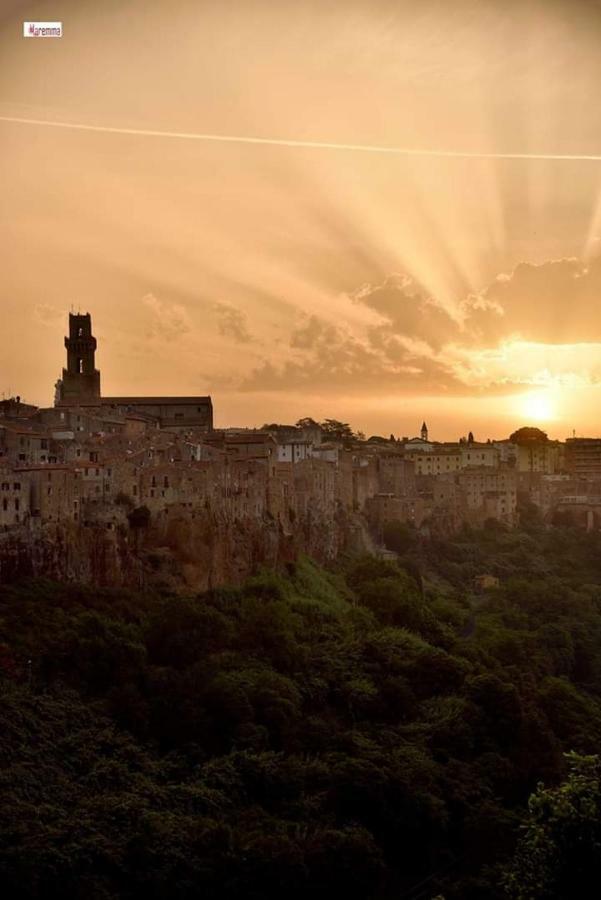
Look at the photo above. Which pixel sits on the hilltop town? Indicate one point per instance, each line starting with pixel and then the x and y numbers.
pixel 151 478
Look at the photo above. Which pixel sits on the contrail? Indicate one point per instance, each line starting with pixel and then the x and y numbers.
pixel 309 145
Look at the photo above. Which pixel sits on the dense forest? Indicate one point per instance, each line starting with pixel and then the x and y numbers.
pixel 381 730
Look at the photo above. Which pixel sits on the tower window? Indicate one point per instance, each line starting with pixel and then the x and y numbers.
pixel 80 366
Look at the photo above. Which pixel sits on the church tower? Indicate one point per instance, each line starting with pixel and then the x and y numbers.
pixel 80 384
pixel 424 432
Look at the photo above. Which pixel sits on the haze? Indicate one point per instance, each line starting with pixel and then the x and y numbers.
pixel 285 280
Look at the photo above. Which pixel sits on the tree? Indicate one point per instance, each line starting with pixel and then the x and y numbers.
pixel 528 435
pixel 529 513
pixel 398 536
pixel 559 854
pixel 139 517
pixel 341 431
pixel 307 422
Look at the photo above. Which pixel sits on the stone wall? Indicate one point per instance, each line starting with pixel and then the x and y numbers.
pixel 176 550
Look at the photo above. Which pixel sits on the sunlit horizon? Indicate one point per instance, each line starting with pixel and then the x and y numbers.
pixel 366 211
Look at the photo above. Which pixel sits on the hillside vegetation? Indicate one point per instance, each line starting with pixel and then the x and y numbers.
pixel 372 732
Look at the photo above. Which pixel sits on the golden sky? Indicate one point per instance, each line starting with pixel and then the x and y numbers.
pixel 288 279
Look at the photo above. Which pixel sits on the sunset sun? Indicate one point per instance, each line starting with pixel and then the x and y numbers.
pixel 538 406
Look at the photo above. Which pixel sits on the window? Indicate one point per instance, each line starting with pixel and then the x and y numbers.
pixel 17 486
pixel 17 504
pixel 80 366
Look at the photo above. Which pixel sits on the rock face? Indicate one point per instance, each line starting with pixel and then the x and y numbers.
pixel 179 553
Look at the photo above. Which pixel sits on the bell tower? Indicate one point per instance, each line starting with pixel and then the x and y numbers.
pixel 80 384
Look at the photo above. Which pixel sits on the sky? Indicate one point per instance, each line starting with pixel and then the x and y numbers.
pixel 309 271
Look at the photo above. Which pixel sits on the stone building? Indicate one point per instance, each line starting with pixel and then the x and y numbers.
pixel 15 489
pixel 396 473
pixel 583 456
pixel 490 493
pixel 473 454
pixel 80 387
pixel 546 457
pixel 22 445
pixel 435 461
pixel 80 382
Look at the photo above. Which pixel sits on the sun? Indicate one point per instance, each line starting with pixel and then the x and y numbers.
pixel 538 406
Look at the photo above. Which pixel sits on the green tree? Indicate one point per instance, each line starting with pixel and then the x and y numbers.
pixel 559 852
pixel 398 536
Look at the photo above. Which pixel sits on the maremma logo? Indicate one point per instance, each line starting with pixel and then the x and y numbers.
pixel 42 29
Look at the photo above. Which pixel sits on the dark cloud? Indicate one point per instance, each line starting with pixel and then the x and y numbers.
pixel 231 322
pixel 325 357
pixel 410 311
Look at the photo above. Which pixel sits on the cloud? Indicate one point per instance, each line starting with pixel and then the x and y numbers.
pixel 232 322
pixel 329 358
pixel 540 324
pixel 555 302
pixel 409 310
pixel 168 321
pixel 48 314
